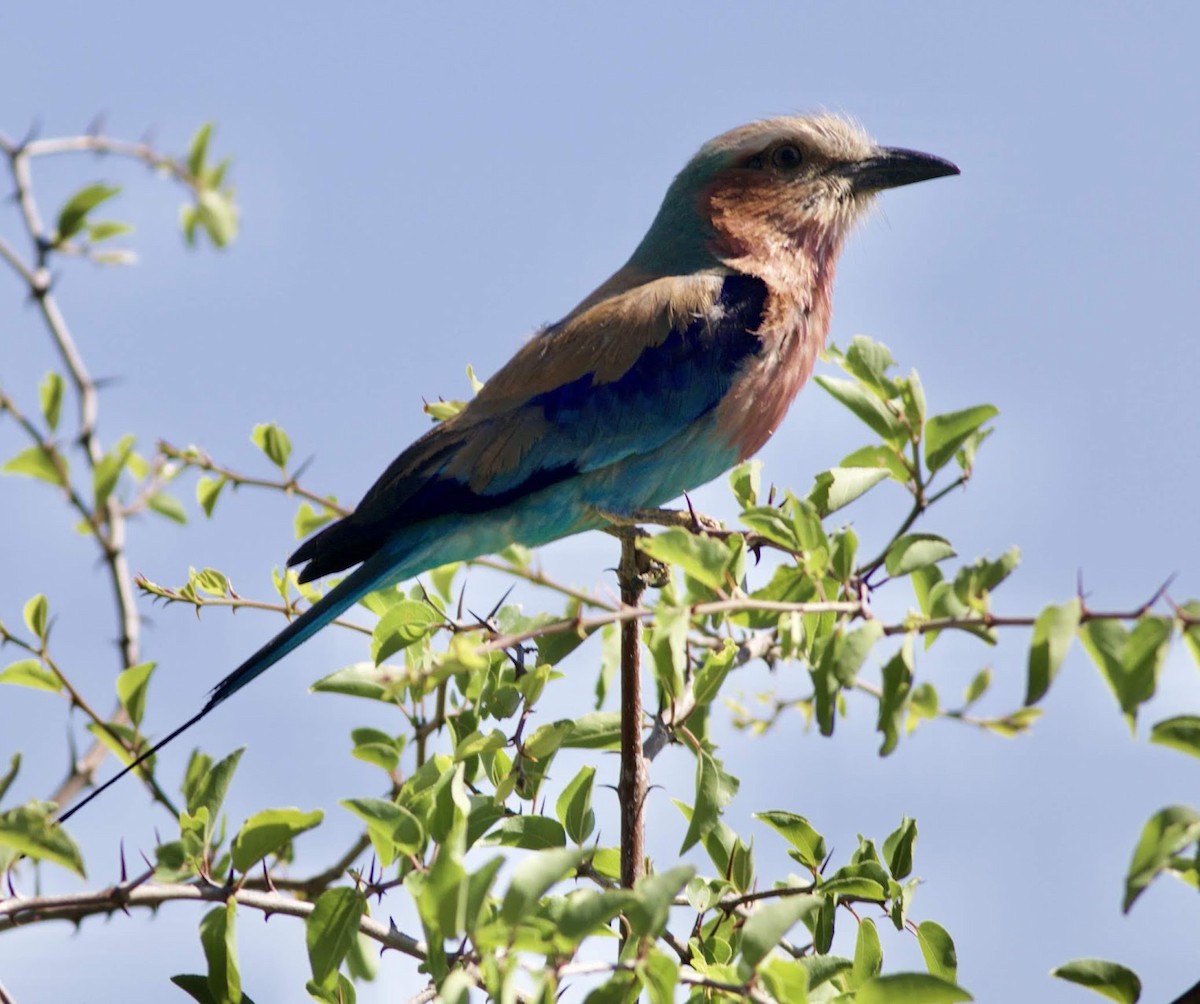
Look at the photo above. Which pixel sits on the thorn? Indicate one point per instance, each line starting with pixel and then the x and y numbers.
pixel 1160 592
pixel 462 596
pixel 96 126
pixel 32 133
pixel 303 467
pixel 696 527
pixel 267 877
pixel 121 853
pixel 496 609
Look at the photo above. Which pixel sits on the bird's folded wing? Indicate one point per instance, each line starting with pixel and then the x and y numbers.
pixel 618 378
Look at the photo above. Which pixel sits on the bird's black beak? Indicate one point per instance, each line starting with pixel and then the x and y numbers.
pixel 891 167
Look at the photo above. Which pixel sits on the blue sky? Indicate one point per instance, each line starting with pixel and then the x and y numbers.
pixel 423 187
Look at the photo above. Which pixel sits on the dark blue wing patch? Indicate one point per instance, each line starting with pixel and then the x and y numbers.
pixel 590 425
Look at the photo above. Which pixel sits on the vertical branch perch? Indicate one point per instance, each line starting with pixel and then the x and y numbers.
pixel 631 788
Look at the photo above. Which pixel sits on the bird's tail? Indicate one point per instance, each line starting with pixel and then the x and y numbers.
pixel 367 577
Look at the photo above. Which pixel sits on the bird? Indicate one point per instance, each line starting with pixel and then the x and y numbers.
pixel 680 365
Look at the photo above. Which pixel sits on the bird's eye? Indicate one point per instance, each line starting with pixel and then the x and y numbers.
pixel 787 157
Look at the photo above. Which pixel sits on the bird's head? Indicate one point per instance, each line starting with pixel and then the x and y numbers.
pixel 775 193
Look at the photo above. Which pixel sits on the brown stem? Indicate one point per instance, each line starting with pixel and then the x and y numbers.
pixel 631 788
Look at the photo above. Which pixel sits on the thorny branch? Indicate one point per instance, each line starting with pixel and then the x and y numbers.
pixel 18 910
pixel 107 521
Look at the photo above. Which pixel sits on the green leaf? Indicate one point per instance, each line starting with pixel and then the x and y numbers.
pixel 897 683
pixel 131 689
pixel 706 813
pixel 308 519
pixel 50 393
pixel 339 989
pixel 840 486
pixel 546 739
pixel 534 876
pixel 712 672
pixel 533 833
pixel 363 679
pixel 798 832
pixel 36 462
pixel 1053 632
pixel 660 974
pixel 403 624
pixel 914 551
pixel 1190 626
pixel 786 979
pixel 477 743
pixel 746 482
pixel 774 524
pixel 168 505
pixel 73 214
pixel 209 791
pixel 898 848
pixel 268 831
pixel 595 730
pixel 198 150
pixel 30 830
pixel 208 580
pixel 1106 978
pixel 37 613
pixel 107 230
pixel 703 558
pixel 824 967
pixel 861 881
pixel 654 895
pixel 31 673
pixel 217 214
pixel 867 406
pixel 392 828
pixel 332 929
pixel 887 458
pixel 1180 733
pixel 108 470
pixel 768 924
pixel 196 987
pixel 14 766
pixel 978 686
pixel 870 360
pixel 574 806
pixel 938 949
pixel 1129 661
pixel 208 490
pixel 868 953
pixel 585 911
pixel 1167 833
pixel 847 652
pixel 218 937
pixel 944 434
pixel 274 442
pixel 910 988
pixel 440 411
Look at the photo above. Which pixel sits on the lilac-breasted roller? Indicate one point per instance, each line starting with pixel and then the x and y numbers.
pixel 680 365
